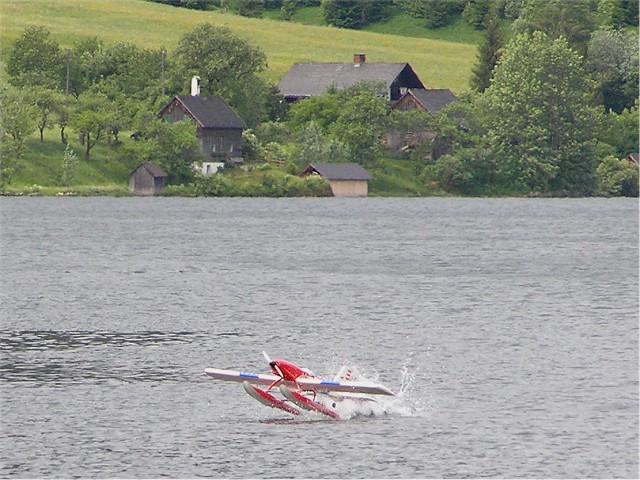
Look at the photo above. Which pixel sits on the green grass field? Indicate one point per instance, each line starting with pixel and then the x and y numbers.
pixel 439 63
pixel 42 164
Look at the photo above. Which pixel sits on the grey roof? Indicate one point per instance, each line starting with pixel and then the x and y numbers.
pixel 433 100
pixel 153 168
pixel 210 112
pixel 310 79
pixel 339 171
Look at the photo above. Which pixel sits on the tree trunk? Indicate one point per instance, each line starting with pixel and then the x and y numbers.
pixel 88 146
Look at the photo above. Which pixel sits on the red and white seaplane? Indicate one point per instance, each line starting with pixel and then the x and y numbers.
pixel 301 388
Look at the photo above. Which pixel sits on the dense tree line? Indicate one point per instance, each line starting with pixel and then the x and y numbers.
pixel 553 110
pixel 357 14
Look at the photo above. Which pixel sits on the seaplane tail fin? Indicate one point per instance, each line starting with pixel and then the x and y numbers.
pixel 343 374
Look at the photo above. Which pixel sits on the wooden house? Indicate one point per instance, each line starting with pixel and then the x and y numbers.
pixel 345 179
pixel 147 180
pixel 306 80
pixel 219 128
pixel 430 100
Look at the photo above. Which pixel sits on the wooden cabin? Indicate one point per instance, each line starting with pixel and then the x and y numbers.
pixel 219 128
pixel 147 180
pixel 430 100
pixel 345 179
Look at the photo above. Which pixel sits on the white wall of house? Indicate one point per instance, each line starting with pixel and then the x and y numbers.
pixel 209 168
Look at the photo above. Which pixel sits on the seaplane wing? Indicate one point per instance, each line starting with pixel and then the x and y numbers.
pixel 234 376
pixel 347 386
pixel 304 383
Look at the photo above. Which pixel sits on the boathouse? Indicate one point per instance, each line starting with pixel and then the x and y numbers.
pixel 147 180
pixel 345 179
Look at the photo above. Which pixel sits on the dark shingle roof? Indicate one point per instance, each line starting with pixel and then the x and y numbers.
pixel 339 171
pixel 210 112
pixel 154 169
pixel 310 79
pixel 433 100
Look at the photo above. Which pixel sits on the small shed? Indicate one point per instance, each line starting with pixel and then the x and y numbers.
pixel 147 180
pixel 633 157
pixel 345 179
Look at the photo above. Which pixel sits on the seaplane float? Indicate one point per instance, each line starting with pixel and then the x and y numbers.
pixel 301 389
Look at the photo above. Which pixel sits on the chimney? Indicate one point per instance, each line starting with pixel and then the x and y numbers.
pixel 358 59
pixel 195 86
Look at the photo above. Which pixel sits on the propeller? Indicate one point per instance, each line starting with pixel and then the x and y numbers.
pixel 273 365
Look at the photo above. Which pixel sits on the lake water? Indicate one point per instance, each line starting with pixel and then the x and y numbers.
pixel 509 328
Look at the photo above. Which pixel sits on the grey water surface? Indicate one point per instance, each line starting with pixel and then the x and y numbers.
pixel 509 328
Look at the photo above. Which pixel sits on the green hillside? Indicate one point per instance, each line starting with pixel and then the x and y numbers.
pixel 440 64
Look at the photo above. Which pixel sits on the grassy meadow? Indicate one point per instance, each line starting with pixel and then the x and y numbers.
pixel 439 63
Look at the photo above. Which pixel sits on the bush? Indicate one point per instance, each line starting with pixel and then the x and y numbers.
pixel 618 177
pixel 212 186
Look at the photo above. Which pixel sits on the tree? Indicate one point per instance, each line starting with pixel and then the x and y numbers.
pixel 435 13
pixel 63 112
pixel 476 13
pixel 46 103
pixel 538 116
pixel 353 14
pixel 173 145
pixel 85 61
pixel 621 131
pixel 246 8
pixel 288 8
pixel 617 13
pixel 470 171
pixel 36 59
pixel 314 147
pixel 193 4
pixel 69 165
pixel 618 177
pixel 362 121
pixel 91 120
pixel 610 13
pixel 227 65
pixel 509 9
pixel 612 58
pixel 127 69
pixel 123 109
pixel 630 9
pixel 16 124
pixel 323 110
pixel 355 117
pixel 570 19
pixel 488 55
